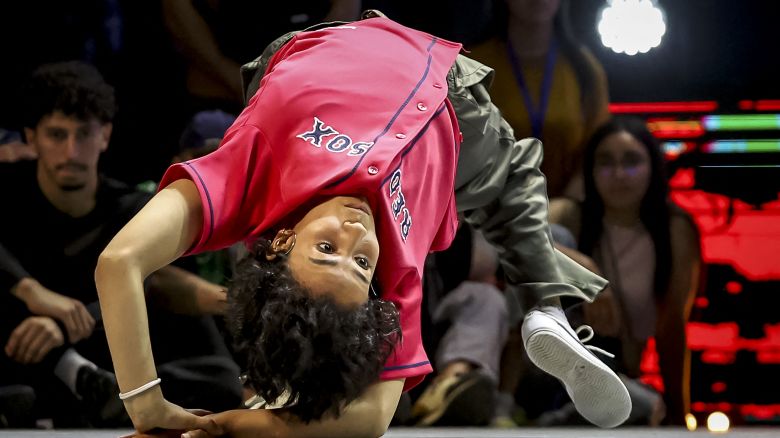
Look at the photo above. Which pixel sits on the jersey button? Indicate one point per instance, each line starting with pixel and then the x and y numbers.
pixel 373 170
pixel 437 85
pixel 421 106
pixel 401 136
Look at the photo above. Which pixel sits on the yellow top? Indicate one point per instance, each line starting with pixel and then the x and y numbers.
pixel 566 125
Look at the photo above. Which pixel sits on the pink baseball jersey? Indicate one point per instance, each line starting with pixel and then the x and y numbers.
pixel 357 109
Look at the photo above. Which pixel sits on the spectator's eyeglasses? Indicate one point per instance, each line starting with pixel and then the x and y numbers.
pixel 630 165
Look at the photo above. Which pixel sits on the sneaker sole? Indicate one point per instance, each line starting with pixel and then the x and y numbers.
pixel 597 392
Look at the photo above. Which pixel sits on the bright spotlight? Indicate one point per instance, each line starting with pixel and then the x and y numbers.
pixel 631 26
pixel 718 422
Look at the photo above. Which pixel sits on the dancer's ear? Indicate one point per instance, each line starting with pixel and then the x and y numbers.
pixel 283 243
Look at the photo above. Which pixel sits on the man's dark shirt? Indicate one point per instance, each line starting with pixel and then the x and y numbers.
pixel 44 243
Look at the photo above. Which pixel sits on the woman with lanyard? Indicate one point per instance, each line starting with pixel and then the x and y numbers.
pixel 547 85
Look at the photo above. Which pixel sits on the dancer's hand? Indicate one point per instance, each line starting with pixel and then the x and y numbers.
pixel 244 422
pixel 149 411
pixel 167 433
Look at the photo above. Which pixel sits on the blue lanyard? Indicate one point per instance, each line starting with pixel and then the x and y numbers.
pixel 536 114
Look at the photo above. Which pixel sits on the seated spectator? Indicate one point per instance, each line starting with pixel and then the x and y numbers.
pixel 467 326
pixel 649 251
pixel 65 213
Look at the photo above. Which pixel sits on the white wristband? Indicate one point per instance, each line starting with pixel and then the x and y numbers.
pixel 140 389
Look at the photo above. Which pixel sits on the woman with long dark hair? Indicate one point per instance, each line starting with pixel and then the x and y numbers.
pixel 644 245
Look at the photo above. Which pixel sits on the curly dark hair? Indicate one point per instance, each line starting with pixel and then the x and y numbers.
pixel 74 88
pixel 321 353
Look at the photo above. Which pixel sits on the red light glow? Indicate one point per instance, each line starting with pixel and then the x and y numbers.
pixel 663 107
pixel 715 357
pixel 682 179
pixel 734 287
pixel 649 369
pixel 649 361
pixel 654 381
pixel 746 105
pixel 733 233
pixel 768 357
pixel 760 412
pixel 719 343
pixel 759 105
pixel 718 387
pixel 703 336
pixel 746 240
pixel 767 105
pixel 676 129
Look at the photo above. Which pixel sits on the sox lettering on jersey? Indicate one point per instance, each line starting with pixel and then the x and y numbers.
pixel 339 143
pixel 399 204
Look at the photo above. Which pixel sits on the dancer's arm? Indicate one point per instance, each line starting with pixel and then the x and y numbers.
pixel 161 232
pixel 502 192
pixel 366 417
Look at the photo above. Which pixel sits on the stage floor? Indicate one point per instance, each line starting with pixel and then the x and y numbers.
pixel 400 432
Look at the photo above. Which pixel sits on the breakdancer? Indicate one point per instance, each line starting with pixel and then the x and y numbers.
pixel 357 137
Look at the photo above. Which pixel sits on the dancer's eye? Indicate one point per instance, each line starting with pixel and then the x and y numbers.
pixel 363 263
pixel 325 247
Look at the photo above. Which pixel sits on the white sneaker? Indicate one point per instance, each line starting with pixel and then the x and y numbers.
pixel 597 392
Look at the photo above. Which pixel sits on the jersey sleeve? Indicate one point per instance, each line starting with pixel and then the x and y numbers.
pixel 409 360
pixel 233 186
pixel 447 229
pixel 503 193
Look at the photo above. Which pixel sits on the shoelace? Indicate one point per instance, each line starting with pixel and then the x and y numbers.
pixel 587 338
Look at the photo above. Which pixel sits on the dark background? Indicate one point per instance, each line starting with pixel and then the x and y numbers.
pixel 722 50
